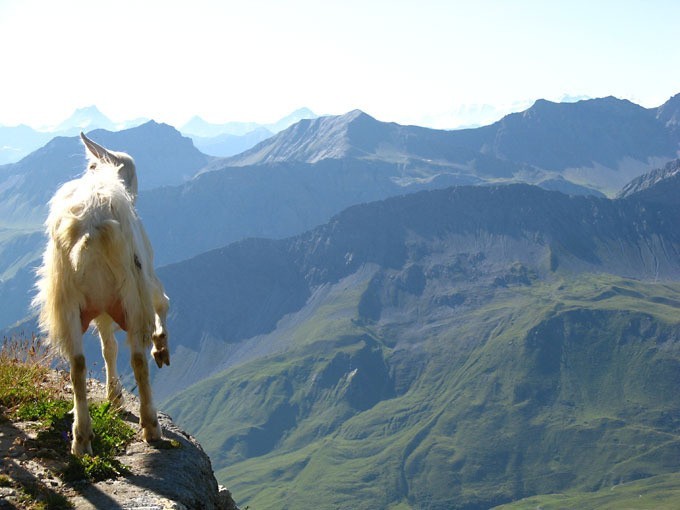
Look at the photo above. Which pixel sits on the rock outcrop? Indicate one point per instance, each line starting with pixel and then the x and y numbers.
pixel 177 476
pixel 173 474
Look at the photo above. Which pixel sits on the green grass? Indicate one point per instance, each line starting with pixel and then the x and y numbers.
pixel 24 364
pixel 111 435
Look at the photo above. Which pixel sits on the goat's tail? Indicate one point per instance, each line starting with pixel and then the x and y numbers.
pixel 107 234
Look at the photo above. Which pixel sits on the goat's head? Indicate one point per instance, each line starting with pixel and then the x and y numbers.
pixel 98 155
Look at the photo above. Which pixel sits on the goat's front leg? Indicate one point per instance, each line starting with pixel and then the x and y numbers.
pixel 148 419
pixel 114 389
pixel 82 424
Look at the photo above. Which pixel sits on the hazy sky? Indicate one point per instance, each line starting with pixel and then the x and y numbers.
pixel 428 62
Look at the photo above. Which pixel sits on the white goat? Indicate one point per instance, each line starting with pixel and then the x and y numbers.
pixel 98 266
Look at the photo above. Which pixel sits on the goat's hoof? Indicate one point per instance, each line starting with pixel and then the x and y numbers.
pixel 152 433
pixel 80 448
pixel 82 439
pixel 161 356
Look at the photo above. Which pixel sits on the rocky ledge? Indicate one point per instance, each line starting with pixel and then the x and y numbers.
pixel 174 474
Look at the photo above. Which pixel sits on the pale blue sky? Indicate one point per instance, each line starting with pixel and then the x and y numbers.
pixel 427 62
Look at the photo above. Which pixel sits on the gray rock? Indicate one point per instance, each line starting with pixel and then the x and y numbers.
pixel 173 474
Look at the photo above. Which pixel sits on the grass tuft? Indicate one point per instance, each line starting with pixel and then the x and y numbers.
pixel 111 435
pixel 24 365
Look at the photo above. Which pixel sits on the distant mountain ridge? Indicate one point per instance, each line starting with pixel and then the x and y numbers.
pixel 311 171
pixel 227 139
pixel 235 137
pixel 19 141
pixel 85 119
pixel 225 145
pixel 197 127
pixel 162 155
pixel 605 141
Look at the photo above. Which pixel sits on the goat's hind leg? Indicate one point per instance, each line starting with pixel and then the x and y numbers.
pixel 148 419
pixel 114 389
pixel 82 424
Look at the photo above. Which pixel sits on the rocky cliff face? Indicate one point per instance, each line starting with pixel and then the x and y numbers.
pixel 174 474
pixel 659 185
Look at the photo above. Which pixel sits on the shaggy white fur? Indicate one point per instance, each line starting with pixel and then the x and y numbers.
pixel 98 266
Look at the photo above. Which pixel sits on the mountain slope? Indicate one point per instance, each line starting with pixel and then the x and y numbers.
pixel 456 348
pixel 358 135
pixel 490 406
pixel 162 155
pixel 248 287
pixel 659 185
pixel 545 230
pixel 274 201
pixel 18 141
pixel 669 113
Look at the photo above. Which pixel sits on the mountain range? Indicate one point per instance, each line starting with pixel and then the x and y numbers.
pixel 235 137
pixel 455 348
pixel 370 315
pixel 302 176
pixel 16 142
pixel 198 127
pixel 166 157
pixel 227 139
pixel 312 170
pixel 599 143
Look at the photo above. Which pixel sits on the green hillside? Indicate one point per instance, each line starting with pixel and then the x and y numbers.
pixel 538 387
pixel 655 493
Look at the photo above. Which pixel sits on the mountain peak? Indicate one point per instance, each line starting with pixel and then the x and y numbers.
pixel 669 112
pixel 289 120
pixel 91 110
pixel 355 114
pixel 601 103
pixel 604 130
pixel 86 118
pixel 311 140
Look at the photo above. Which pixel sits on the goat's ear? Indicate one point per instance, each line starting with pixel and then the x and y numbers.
pixel 97 150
